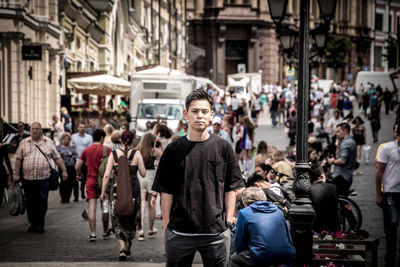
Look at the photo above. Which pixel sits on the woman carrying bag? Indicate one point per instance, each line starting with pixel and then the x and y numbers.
pixel 126 224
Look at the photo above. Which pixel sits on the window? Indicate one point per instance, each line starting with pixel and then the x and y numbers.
pixel 378 22
pixel 78 43
pixel 378 56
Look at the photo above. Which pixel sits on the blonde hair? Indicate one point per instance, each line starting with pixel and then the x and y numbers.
pixel 108 129
pixel 66 134
pixel 278 156
pixel 116 136
pixel 253 194
pixel 64 110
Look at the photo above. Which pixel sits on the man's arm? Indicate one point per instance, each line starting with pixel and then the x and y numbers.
pixel 166 203
pixel 78 168
pixel 17 169
pixel 380 169
pixel 230 201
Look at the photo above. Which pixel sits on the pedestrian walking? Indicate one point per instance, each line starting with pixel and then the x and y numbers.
pixel 273 109
pixel 246 135
pixel 388 196
pixel 359 135
pixel 92 156
pixel 66 120
pixel 4 173
pixel 291 123
pixel 20 135
pixel 124 226
pixel 199 179
pixel 32 157
pixel 345 163
pixel 69 155
pixel 108 129
pixel 281 110
pixel 151 153
pixel 81 140
pixel 375 118
pixel 58 129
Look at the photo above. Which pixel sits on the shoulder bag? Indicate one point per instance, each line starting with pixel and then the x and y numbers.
pixel 53 182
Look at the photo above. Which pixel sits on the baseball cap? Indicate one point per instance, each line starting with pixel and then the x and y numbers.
pixel 216 119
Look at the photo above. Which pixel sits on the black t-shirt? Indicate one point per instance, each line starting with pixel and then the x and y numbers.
pixel 198 174
pixel 325 202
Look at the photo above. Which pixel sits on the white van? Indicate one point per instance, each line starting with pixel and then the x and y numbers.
pixel 376 78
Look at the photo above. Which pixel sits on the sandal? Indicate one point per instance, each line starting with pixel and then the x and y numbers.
pixel 141 235
pixel 153 232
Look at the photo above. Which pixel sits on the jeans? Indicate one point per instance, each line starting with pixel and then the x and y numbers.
pixel 36 194
pixel 214 249
pixel 274 115
pixel 391 212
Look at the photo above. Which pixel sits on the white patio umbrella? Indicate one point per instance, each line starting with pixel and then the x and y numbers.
pixel 103 84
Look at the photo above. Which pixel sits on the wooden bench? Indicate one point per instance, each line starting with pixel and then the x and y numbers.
pixel 355 252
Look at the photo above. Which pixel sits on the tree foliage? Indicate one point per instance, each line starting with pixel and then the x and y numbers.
pixel 337 51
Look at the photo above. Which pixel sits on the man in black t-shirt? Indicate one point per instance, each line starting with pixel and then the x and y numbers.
pixel 324 200
pixel 199 180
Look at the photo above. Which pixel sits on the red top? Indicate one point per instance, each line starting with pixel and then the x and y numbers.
pixel 92 156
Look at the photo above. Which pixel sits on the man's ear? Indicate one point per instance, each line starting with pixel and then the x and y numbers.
pixel 185 113
pixel 212 116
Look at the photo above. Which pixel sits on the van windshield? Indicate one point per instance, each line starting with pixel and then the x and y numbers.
pixel 165 111
pixel 237 89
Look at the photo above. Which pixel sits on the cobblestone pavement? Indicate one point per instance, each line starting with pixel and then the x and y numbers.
pixel 65 242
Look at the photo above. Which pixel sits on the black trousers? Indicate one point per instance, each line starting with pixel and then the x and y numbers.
pixel 83 180
pixel 36 194
pixel 391 213
pixel 342 185
pixel 68 185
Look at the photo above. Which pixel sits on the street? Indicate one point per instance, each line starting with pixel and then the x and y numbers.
pixel 66 237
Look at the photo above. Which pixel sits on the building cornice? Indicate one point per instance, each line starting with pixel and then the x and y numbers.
pixel 30 21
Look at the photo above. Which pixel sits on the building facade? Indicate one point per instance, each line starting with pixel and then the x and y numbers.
pixel 241 32
pixel 30 57
pixel 45 42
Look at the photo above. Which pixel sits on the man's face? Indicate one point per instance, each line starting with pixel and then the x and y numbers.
pixel 36 131
pixel 198 115
pixel 21 127
pixel 81 128
pixel 260 171
pixel 340 133
pixel 336 114
pixel 216 127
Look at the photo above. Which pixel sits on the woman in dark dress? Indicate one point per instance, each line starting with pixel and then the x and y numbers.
pixel 125 226
pixel 69 155
pixel 359 135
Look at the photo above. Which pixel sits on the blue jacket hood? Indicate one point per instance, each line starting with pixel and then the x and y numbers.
pixel 263 206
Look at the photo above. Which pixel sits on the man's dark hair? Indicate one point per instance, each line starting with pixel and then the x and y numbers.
pixel 315 172
pixel 98 134
pixel 199 94
pixel 293 113
pixel 254 179
pixel 344 126
pixel 264 167
pixel 398 128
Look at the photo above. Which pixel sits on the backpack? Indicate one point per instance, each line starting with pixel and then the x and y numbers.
pixel 282 203
pixel 102 169
pixel 124 205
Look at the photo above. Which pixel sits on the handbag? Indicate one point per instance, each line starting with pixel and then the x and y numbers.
pixel 53 179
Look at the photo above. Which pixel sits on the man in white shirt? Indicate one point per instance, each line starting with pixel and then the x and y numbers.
pixel 387 174
pixel 332 123
pixel 235 103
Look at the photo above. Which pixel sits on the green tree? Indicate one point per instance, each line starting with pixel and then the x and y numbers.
pixel 337 51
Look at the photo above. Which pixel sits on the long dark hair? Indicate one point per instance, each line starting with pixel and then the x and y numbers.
pixel 146 146
pixel 249 126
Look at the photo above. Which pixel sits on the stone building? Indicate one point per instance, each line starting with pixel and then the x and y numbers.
pixel 30 57
pixel 233 32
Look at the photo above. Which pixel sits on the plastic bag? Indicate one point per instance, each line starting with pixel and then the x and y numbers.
pixel 366 153
pixel 16 200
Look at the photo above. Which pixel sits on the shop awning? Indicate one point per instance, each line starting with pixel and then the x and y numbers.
pixel 103 84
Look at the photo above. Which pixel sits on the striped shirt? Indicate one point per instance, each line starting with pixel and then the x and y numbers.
pixel 34 164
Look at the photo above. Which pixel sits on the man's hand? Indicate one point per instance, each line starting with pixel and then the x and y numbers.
pixel 153 200
pixel 330 160
pixel 379 199
pixel 64 176
pixel 78 178
pixel 16 178
pixel 103 196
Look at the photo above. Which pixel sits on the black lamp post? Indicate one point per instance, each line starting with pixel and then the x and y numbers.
pixel 302 212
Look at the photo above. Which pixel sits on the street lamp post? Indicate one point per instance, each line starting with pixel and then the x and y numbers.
pixel 301 212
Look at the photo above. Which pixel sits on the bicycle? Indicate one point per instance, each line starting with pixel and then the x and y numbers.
pixel 350 216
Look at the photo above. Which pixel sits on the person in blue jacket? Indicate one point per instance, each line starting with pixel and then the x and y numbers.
pixel 262 235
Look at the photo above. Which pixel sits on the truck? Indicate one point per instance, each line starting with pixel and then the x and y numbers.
pixel 244 85
pixel 160 95
pixel 375 78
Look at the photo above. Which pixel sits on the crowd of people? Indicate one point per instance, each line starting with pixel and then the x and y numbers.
pixel 207 175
